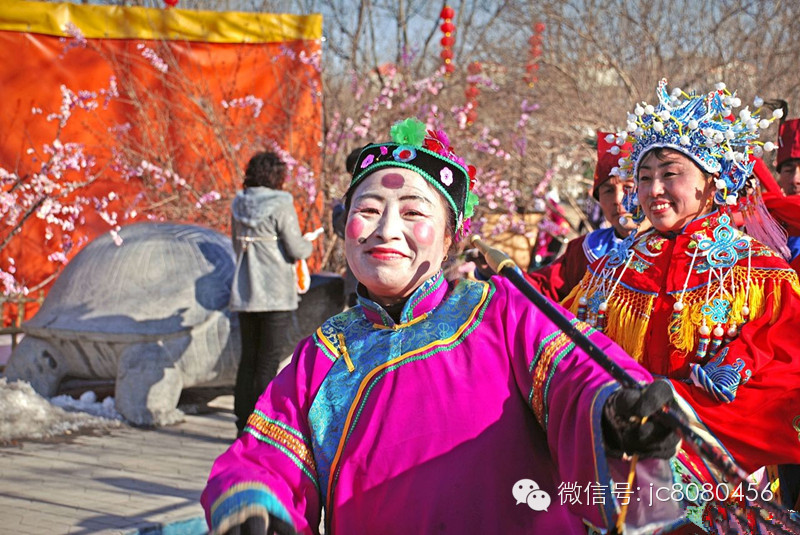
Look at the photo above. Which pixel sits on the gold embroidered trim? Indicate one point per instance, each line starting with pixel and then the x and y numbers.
pixel 282 437
pixel 540 374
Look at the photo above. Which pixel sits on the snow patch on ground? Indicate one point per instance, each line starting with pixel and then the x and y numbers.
pixel 24 414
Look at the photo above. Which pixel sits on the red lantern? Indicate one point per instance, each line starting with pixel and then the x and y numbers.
pixel 171 3
pixel 535 53
pixel 472 92
pixel 448 28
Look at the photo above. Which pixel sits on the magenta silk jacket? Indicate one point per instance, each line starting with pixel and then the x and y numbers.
pixel 431 425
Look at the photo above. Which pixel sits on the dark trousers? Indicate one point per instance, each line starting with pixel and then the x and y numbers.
pixel 267 339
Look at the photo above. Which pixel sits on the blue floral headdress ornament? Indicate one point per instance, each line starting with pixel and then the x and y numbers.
pixel 428 153
pixel 703 127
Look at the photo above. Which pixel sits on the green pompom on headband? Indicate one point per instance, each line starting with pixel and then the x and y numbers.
pixel 409 132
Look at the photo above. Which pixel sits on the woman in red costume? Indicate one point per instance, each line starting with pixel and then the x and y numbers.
pixel 694 299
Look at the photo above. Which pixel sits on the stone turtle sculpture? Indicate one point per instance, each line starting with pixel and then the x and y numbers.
pixel 151 313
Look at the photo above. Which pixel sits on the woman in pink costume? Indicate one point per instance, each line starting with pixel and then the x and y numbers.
pixel 435 406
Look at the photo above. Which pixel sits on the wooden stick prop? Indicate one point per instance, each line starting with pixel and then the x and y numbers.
pixel 771 514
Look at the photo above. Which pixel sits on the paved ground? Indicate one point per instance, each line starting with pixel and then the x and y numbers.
pixel 131 481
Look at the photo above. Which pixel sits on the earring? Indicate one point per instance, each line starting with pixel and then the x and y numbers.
pixel 445 258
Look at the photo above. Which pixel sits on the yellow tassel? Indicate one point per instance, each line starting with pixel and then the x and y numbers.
pixel 627 319
pixel 628 315
pixel 738 303
pixel 685 336
pixel 627 327
pixel 776 304
pixel 758 300
pixel 755 302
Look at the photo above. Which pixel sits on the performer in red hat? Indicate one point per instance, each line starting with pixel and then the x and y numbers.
pixel 788 159
pixel 558 278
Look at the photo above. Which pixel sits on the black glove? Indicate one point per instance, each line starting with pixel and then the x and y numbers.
pixel 623 430
pixel 257 525
pixel 482 270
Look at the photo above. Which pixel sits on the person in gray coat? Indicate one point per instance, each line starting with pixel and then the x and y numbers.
pixel 267 241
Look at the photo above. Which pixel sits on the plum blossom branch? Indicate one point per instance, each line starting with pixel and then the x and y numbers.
pixel 152 56
pixel 248 101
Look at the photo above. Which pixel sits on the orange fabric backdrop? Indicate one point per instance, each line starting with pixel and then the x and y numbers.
pixel 174 120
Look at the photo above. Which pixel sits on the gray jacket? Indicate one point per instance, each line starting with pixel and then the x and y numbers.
pixel 267 241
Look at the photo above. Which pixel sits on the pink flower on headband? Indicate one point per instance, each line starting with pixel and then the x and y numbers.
pixel 456 158
pixel 367 161
pixel 446 176
pixel 438 142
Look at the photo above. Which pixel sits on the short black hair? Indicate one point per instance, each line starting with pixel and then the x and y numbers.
pixel 352 159
pixel 265 169
pixel 793 161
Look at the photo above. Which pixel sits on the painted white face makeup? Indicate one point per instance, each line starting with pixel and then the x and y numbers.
pixel 396 235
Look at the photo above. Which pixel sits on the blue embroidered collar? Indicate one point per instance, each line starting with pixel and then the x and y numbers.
pixel 424 299
pixel 599 242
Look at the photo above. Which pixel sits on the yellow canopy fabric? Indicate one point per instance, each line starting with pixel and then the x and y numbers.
pixel 103 22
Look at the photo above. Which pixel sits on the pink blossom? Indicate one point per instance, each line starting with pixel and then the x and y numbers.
pixel 76 39
pixel 314 59
pixel 58 257
pixel 249 101
pixel 152 56
pixel 115 236
pixel 160 175
pixel 303 176
pixel 207 198
pixel 528 107
pixel 10 285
